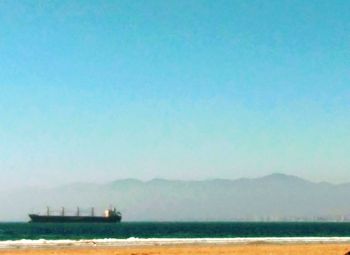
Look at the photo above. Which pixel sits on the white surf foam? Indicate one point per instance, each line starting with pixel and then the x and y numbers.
pixel 41 243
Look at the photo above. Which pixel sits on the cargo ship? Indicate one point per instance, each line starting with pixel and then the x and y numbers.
pixel 110 216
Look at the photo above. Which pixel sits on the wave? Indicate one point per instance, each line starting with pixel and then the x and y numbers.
pixel 133 241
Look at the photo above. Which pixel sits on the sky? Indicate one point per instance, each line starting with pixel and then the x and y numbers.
pixel 93 91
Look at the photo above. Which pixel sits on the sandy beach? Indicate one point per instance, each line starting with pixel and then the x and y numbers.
pixel 261 249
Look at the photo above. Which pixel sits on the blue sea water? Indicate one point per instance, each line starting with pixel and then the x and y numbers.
pixel 124 230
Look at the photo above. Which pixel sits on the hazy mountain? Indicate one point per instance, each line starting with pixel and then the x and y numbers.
pixel 273 197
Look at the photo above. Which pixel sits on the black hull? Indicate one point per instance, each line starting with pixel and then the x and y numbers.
pixel 73 219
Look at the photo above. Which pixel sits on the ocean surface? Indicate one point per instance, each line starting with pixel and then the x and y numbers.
pixel 179 230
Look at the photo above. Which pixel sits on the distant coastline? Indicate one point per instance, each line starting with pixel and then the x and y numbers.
pixel 272 198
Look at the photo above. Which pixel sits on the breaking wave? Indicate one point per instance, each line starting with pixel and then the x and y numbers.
pixel 18 244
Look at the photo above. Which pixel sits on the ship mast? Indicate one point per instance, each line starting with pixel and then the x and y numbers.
pixel 48 211
pixel 62 212
pixel 92 211
pixel 78 211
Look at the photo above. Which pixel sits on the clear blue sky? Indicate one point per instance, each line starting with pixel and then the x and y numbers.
pixel 100 90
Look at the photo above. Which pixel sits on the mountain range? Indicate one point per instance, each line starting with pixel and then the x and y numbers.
pixel 275 197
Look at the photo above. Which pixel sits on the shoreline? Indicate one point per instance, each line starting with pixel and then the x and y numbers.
pixel 154 242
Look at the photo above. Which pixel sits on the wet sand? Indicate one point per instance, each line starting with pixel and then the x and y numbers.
pixel 250 249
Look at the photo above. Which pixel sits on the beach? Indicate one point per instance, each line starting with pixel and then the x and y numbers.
pixel 180 246
pixel 247 249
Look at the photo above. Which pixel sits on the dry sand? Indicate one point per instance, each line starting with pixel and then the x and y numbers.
pixel 260 249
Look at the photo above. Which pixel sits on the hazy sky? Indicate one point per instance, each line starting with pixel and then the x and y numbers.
pixel 100 90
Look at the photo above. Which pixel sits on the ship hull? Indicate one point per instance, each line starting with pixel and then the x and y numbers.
pixel 73 219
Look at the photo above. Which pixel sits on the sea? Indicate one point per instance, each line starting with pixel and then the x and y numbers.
pixel 19 235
